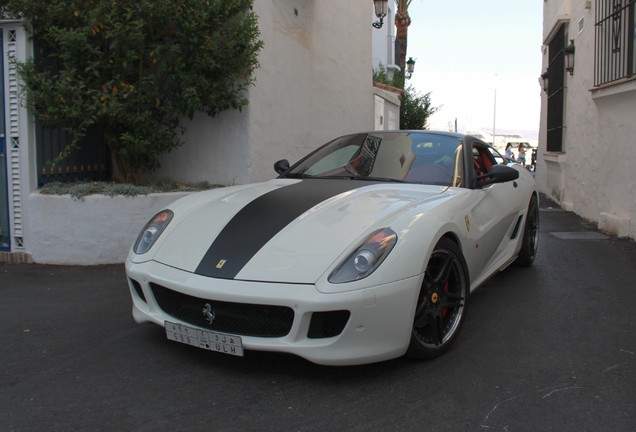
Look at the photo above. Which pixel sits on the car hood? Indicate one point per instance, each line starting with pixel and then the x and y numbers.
pixel 288 231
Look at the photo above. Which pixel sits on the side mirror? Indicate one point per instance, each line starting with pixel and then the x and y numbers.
pixel 498 174
pixel 282 166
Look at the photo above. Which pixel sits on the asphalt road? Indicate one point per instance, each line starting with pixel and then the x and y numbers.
pixel 546 348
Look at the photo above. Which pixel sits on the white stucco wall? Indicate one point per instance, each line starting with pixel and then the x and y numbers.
pixel 95 230
pixel 607 195
pixel 215 149
pixel 594 174
pixel 313 84
pixel 391 105
pixel 383 54
pixel 383 39
pixel 554 10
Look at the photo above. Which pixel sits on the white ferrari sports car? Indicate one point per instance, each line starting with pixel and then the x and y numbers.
pixel 365 250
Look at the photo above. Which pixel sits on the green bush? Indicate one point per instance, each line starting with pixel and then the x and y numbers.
pixel 415 109
pixel 80 190
pixel 136 69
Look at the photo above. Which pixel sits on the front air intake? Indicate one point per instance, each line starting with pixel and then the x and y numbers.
pixel 327 324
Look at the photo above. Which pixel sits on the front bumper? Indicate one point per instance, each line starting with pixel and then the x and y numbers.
pixel 378 328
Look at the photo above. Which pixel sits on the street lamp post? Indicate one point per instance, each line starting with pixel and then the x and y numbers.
pixel 569 57
pixel 545 81
pixel 381 9
pixel 410 66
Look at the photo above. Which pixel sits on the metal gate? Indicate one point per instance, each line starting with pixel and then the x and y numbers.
pixel 90 162
pixel 5 237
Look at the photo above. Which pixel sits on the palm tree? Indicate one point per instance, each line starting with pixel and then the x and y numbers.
pixel 402 23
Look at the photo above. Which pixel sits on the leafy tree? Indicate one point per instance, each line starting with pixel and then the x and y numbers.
pixel 136 69
pixel 415 109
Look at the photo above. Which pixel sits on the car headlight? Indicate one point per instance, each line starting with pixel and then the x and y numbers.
pixel 366 258
pixel 152 231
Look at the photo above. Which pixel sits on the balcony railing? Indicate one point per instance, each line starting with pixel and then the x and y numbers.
pixel 614 41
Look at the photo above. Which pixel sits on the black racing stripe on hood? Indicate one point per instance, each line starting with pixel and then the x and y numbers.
pixel 260 220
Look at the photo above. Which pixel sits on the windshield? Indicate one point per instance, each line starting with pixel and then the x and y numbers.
pixel 411 157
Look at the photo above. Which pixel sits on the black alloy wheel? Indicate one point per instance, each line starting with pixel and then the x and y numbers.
pixel 530 240
pixel 441 306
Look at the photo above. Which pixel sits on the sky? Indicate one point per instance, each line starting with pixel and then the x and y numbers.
pixel 467 52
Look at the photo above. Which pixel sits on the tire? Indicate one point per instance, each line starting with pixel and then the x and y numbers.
pixel 530 235
pixel 441 306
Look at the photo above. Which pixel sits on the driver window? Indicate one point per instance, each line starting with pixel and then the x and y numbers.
pixel 495 156
pixel 483 160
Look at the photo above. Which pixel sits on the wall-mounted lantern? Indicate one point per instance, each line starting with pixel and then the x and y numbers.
pixel 381 9
pixel 569 57
pixel 410 66
pixel 544 78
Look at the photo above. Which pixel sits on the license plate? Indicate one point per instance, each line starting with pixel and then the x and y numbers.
pixel 219 342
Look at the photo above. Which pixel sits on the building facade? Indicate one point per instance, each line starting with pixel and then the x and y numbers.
pixel 587 138
pixel 386 99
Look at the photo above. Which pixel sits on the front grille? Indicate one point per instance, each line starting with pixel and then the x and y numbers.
pixel 327 324
pixel 236 318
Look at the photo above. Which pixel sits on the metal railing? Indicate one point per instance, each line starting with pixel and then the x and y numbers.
pixel 90 162
pixel 614 41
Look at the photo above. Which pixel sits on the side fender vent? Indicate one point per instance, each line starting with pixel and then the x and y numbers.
pixel 515 232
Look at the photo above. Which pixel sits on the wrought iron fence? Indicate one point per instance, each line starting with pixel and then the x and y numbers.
pixel 614 41
pixel 90 162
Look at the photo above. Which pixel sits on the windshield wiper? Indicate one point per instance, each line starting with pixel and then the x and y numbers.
pixel 337 177
pixel 296 175
pixel 381 179
pixel 354 177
